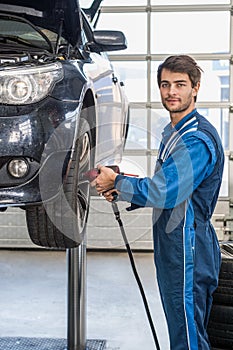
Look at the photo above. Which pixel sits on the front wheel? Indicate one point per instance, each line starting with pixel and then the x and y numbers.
pixel 61 223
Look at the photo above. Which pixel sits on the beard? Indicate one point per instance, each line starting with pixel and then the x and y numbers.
pixel 182 106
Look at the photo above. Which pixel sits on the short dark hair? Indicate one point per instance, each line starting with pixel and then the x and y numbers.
pixel 181 64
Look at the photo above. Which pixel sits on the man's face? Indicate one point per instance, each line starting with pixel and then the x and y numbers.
pixel 177 93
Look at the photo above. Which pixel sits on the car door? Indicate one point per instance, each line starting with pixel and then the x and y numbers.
pixel 110 105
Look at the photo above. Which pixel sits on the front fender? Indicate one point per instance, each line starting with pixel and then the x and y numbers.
pixel 73 84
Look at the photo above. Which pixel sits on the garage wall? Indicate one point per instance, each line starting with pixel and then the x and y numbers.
pixel 102 231
pixel 13 231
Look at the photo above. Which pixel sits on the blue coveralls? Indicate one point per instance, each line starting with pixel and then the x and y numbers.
pixel 183 193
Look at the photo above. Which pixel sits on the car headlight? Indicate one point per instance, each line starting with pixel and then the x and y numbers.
pixel 29 84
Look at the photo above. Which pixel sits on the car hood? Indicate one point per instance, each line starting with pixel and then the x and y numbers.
pixel 49 14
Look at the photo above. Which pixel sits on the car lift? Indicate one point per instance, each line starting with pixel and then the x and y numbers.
pixel 76 323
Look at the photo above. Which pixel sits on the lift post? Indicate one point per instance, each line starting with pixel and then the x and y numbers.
pixel 77 311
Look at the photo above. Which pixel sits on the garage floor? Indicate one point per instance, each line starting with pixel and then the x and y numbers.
pixel 33 298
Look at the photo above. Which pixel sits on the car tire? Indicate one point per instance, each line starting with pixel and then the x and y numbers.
pixel 61 222
pixel 220 328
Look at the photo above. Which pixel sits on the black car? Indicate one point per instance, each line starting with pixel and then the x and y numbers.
pixel 62 111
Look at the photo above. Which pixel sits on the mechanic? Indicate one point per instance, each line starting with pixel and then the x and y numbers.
pixel 183 193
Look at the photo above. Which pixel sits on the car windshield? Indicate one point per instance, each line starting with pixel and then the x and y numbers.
pixel 21 33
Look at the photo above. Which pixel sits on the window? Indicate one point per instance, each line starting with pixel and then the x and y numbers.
pixel 136 34
pixel 133 74
pixel 190 32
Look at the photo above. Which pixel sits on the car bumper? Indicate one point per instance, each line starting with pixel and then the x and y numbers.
pixel 43 137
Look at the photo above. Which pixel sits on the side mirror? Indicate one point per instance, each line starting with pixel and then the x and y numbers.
pixel 107 40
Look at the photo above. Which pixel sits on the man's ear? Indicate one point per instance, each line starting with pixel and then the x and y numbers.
pixel 196 89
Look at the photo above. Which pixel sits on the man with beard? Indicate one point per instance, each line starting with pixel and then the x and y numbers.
pixel 183 193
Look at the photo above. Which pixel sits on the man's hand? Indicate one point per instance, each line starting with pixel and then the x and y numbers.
pixel 104 182
pixel 111 195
